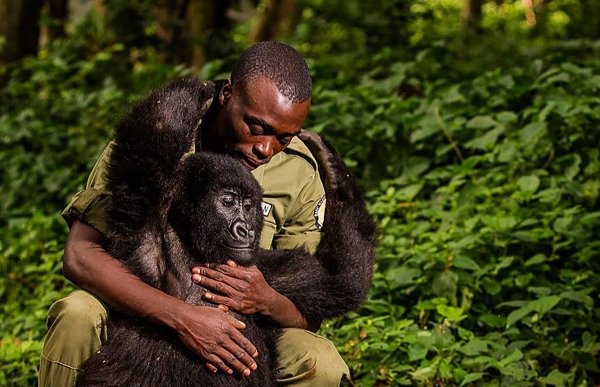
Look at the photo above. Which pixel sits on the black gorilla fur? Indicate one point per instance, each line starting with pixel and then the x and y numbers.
pixel 167 216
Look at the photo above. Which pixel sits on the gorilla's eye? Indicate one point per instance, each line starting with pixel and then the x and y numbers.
pixel 228 200
pixel 248 204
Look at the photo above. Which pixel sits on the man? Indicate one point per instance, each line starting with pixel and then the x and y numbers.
pixel 255 117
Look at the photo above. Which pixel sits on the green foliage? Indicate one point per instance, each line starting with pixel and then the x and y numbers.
pixel 57 114
pixel 480 156
pixel 488 231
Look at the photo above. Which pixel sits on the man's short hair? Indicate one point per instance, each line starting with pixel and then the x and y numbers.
pixel 277 62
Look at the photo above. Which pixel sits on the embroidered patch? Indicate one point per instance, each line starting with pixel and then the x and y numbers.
pixel 319 213
pixel 266 208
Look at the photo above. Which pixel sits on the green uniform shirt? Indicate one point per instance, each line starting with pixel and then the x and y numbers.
pixel 292 198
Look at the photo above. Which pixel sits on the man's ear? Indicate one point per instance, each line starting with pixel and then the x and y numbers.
pixel 225 93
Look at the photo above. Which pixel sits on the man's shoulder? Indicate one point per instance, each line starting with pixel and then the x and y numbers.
pixel 298 151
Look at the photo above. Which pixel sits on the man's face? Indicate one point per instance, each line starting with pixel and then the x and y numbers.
pixel 256 124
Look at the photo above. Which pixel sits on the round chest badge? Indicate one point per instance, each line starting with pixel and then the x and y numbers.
pixel 320 213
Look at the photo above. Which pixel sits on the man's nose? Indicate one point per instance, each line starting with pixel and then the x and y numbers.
pixel 264 149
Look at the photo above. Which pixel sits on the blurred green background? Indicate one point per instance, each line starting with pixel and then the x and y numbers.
pixel 472 125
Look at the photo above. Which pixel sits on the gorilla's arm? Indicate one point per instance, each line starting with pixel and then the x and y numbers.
pixel 148 145
pixel 336 280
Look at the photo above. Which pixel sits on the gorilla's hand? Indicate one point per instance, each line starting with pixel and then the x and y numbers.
pixel 214 335
pixel 242 289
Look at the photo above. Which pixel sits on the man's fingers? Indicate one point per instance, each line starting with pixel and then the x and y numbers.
pixel 232 359
pixel 217 286
pixel 219 364
pixel 240 340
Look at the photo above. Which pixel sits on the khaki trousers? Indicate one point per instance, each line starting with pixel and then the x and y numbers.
pixel 77 328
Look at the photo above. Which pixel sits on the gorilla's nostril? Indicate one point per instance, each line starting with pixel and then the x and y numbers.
pixel 242 230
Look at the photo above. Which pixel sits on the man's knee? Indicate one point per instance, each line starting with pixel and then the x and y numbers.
pixel 79 312
pixel 76 328
pixel 306 359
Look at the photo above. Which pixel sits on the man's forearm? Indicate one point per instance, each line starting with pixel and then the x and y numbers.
pixel 281 311
pixel 90 267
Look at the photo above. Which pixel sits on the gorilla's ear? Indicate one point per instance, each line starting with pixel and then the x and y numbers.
pixel 225 92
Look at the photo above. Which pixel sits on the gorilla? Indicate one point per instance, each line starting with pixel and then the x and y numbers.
pixel 173 209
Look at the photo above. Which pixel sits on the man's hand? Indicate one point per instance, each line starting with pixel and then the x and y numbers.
pixel 242 289
pixel 245 290
pixel 214 335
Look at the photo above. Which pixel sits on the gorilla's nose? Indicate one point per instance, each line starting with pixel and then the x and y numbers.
pixel 242 231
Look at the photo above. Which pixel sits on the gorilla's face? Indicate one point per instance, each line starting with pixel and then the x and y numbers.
pixel 238 213
pixel 255 124
pixel 217 211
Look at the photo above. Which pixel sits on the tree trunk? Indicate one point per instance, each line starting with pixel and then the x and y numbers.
pixel 193 31
pixel 20 28
pixel 207 26
pixel 472 15
pixel 278 20
pixel 58 12
pixel 171 15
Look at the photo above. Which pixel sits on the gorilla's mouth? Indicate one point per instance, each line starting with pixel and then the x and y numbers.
pixel 239 248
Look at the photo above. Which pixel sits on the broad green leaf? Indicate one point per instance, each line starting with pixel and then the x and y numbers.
pixel 594 82
pixel 507 117
pixel 473 347
pixel 402 276
pixel 561 225
pixel 526 236
pixel 573 169
pixel 556 378
pixel 427 128
pixel 517 315
pixel 492 320
pixel 491 286
pixel 550 195
pixel 470 378
pixel 559 78
pixel 503 264
pixel 417 351
pixel 466 263
pixel 578 297
pixel 507 152
pixel 445 285
pixel 529 183
pixel 481 122
pixel 535 260
pixel 532 132
pixel 487 140
pixel 516 355
pixel 408 193
pixel 451 313
pixel 590 218
pixel 469 240
pixel 544 304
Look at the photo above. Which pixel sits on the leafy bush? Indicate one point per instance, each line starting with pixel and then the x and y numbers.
pixel 482 169
pixel 57 115
pixel 488 235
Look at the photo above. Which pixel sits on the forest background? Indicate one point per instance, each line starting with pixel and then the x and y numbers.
pixel 471 124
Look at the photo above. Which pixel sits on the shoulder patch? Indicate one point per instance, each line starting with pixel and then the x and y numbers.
pixel 266 208
pixel 319 213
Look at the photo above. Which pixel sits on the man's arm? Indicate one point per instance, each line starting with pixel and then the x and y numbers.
pixel 209 332
pixel 245 290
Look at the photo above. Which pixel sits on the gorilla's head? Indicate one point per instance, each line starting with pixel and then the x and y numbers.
pixel 217 209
